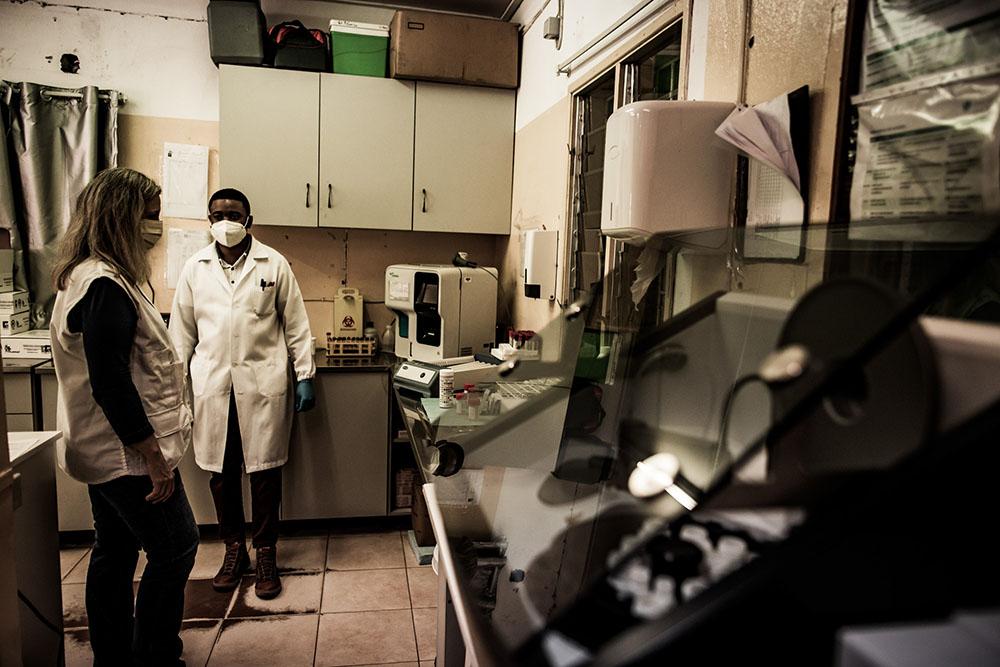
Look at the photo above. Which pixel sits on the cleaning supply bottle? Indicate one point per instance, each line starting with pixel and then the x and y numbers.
pixel 389 337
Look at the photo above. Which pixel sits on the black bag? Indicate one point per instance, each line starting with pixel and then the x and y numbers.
pixel 294 46
pixel 236 32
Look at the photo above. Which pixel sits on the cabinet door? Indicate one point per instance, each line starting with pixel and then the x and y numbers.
pixel 268 142
pixel 366 152
pixel 339 458
pixel 463 159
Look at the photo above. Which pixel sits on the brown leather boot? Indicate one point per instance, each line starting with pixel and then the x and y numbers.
pixel 235 563
pixel 268 583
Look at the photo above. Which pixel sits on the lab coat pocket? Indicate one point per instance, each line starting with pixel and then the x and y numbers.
pixel 263 304
pixel 199 377
pixel 272 378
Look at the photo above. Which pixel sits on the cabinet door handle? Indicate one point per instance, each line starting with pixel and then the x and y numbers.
pixel 307 195
pixel 329 195
pixel 423 207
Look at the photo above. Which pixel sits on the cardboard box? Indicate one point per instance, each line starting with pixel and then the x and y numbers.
pixel 14 324
pixel 453 49
pixel 14 302
pixel 6 270
pixel 34 344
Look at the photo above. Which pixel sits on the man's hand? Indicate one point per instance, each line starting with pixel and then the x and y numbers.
pixel 161 475
pixel 305 396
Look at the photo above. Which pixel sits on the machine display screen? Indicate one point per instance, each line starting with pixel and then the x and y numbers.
pixel 428 295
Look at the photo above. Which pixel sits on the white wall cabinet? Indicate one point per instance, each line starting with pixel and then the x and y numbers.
pixel 366 152
pixel 268 144
pixel 463 159
pixel 331 150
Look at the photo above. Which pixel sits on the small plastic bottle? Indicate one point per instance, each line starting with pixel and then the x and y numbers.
pixel 389 337
pixel 474 400
pixel 461 403
pixel 446 388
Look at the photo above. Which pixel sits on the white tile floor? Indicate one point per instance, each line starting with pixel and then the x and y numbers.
pixel 346 600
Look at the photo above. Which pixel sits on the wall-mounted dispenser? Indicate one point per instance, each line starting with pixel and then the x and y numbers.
pixel 541 260
pixel 665 170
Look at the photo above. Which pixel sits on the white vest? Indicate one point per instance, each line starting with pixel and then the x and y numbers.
pixel 89 450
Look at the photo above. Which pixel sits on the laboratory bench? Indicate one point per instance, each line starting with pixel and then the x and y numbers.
pixel 342 462
pixel 36 543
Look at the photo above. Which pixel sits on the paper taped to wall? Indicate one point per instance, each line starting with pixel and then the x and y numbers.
pixel 764 132
pixel 185 181
pixel 910 39
pixel 181 245
pixel 928 153
pixel 774 185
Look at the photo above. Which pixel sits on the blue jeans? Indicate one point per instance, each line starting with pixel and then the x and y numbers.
pixel 147 633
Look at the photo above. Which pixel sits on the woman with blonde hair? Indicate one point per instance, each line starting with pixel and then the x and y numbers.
pixel 125 420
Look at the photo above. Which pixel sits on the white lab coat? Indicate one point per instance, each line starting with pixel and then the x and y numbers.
pixel 239 338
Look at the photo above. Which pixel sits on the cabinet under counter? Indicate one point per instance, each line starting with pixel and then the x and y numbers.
pixel 338 462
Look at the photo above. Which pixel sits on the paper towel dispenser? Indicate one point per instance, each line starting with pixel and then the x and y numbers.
pixel 665 170
pixel 541 257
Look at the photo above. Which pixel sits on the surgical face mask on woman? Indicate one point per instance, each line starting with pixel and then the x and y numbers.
pixel 152 230
pixel 228 233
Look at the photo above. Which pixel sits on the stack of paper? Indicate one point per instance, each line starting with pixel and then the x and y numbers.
pixel 763 133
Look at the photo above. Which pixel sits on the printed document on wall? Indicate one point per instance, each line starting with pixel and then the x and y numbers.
pixel 910 39
pixel 931 153
pixel 185 181
pixel 181 245
pixel 775 207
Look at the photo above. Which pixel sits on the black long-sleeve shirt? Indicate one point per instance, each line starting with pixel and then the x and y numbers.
pixel 107 318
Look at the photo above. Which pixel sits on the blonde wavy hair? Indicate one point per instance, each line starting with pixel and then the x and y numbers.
pixel 106 225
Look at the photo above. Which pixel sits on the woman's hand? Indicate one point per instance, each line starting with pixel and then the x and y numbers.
pixel 159 473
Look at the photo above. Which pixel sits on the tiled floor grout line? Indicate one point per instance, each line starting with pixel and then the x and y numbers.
pixel 233 602
pixel 75 565
pixel 322 589
pixel 409 596
pixel 215 640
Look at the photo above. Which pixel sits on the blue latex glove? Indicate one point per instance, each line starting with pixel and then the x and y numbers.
pixel 305 396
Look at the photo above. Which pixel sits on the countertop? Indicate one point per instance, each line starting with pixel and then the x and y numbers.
pixel 46 367
pixel 20 365
pixel 380 363
pixel 23 444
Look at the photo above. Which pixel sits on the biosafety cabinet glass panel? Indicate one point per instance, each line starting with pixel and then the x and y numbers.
pixel 666 487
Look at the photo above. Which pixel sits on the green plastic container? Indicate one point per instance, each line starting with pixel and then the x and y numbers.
pixel 359 48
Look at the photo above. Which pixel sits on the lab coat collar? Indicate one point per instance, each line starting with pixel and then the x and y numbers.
pixel 257 252
pixel 257 249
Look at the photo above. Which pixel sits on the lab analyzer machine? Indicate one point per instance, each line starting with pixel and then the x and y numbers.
pixel 442 312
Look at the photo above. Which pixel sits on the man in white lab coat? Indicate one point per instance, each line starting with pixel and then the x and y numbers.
pixel 237 317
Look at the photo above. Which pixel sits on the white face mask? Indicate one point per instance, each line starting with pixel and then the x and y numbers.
pixel 152 230
pixel 228 233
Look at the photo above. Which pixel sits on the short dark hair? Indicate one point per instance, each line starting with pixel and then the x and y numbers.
pixel 231 193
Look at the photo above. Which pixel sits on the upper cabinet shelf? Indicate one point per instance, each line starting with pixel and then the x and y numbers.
pixel 329 150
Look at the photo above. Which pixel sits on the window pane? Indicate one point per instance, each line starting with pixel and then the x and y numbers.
pixel 659 72
pixel 593 107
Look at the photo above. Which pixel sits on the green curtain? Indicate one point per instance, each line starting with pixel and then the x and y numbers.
pixel 55 142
